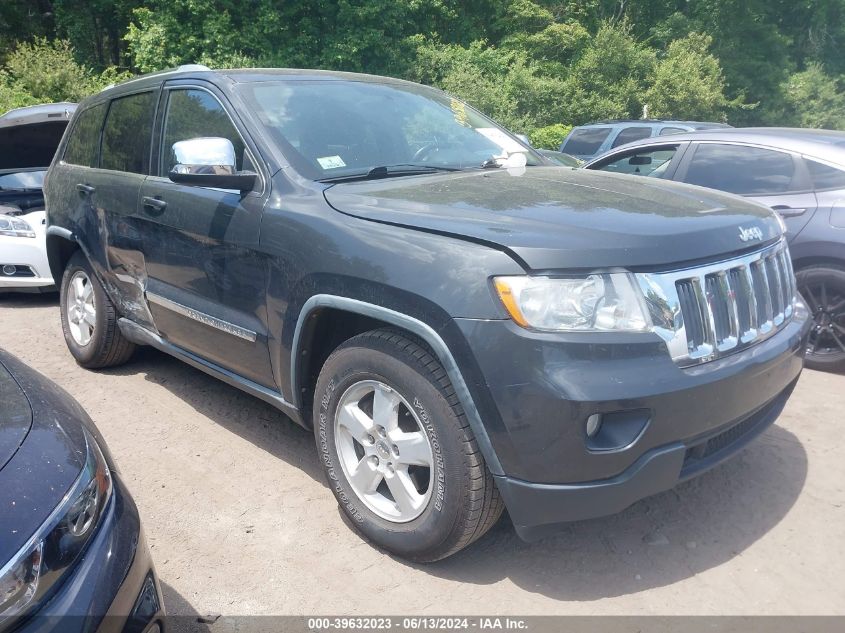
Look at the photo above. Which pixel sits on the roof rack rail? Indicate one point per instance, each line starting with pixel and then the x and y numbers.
pixel 167 71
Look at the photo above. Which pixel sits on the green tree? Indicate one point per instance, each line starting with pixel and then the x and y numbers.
pixel 688 83
pixel 610 77
pixel 814 99
pixel 45 71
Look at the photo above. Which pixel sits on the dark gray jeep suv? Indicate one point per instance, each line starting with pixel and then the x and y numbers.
pixel 465 327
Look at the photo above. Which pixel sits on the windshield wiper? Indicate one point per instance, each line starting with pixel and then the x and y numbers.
pixel 389 171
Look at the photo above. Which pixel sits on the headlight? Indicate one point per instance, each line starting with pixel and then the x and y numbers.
pixel 54 547
pixel 15 227
pixel 608 301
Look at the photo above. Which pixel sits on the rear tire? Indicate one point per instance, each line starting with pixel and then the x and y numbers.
pixel 823 288
pixel 89 318
pixel 444 505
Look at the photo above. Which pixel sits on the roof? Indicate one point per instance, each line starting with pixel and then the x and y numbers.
pixel 652 122
pixel 823 144
pixel 38 114
pixel 247 75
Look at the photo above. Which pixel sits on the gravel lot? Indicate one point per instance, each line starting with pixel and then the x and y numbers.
pixel 240 522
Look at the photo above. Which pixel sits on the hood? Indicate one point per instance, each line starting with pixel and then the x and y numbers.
pixel 42 451
pixel 554 218
pixel 15 416
pixel 30 136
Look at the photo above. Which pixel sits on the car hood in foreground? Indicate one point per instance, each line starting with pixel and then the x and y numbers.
pixel 555 218
pixel 42 451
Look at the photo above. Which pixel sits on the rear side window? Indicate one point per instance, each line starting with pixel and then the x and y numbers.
pixel 631 134
pixel 824 176
pixel 192 114
pixel 586 141
pixel 740 169
pixel 84 142
pixel 127 133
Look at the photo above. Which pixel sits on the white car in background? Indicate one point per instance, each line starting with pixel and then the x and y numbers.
pixel 28 140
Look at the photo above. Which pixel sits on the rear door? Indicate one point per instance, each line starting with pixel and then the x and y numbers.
pixel 775 178
pixel 114 190
pixel 205 277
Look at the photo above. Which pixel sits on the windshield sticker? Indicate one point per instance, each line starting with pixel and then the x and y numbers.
pixel 501 139
pixel 331 162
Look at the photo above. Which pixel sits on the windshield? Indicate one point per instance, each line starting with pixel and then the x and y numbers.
pixel 23 180
pixel 331 129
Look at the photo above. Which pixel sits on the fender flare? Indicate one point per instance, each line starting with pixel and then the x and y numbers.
pixel 418 328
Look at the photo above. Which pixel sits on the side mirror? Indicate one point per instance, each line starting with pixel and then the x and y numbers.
pixel 639 160
pixel 209 162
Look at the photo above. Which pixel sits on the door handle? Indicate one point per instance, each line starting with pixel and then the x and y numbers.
pixel 788 212
pixel 155 204
pixel 85 189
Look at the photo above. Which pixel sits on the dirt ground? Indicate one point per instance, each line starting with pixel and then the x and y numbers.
pixel 240 522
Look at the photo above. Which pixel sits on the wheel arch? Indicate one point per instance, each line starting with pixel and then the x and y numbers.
pixel 61 245
pixel 360 316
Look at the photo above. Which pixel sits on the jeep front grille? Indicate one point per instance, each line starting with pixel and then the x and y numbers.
pixel 710 311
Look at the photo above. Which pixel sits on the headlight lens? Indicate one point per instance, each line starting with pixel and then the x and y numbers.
pixel 52 550
pixel 601 302
pixel 15 227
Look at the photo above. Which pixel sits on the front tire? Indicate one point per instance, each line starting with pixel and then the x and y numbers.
pixel 823 288
pixel 89 318
pixel 397 449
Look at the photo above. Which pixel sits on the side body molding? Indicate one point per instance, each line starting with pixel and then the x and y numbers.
pixel 417 327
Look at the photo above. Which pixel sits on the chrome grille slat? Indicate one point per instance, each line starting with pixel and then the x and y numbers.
pixel 706 312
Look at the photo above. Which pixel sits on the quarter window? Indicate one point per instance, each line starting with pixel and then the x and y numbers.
pixel 84 142
pixel 824 176
pixel 127 133
pixel 631 134
pixel 193 113
pixel 671 130
pixel 741 169
pixel 586 141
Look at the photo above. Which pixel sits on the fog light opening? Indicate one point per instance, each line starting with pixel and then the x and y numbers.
pixel 9 269
pixel 593 424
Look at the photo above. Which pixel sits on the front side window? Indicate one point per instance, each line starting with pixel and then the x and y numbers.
pixel 83 145
pixel 192 114
pixel 127 133
pixel 631 134
pixel 648 162
pixel 586 141
pixel 330 129
pixel 741 169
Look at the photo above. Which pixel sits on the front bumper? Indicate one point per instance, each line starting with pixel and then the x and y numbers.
pixel 545 387
pixel 28 255
pixel 114 588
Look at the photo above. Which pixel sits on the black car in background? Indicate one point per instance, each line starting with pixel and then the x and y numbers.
pixel 799 173
pixel 71 546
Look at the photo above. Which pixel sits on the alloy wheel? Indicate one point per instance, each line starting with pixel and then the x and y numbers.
pixel 384 451
pixel 827 305
pixel 81 310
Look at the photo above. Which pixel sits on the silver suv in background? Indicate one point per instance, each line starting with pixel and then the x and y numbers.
pixel 586 141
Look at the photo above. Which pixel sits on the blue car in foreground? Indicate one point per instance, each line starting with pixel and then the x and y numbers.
pixel 72 553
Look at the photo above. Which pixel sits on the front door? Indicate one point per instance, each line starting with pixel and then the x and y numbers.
pixel 205 278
